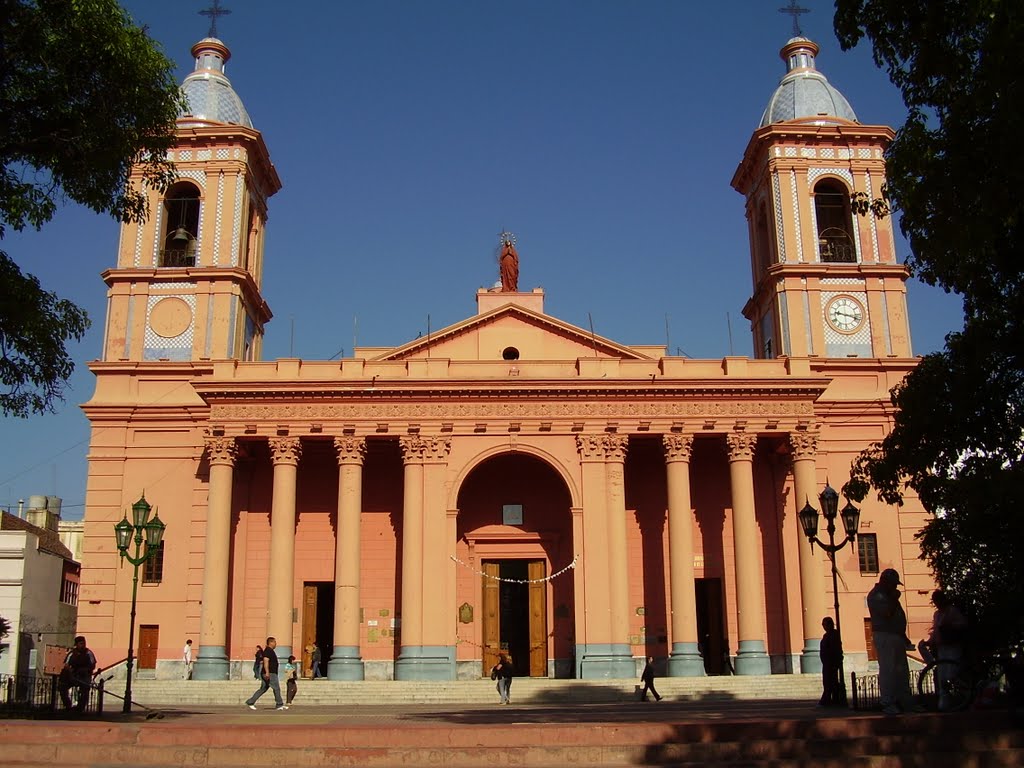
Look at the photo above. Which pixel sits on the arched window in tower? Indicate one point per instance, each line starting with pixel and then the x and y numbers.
pixel 835 222
pixel 181 226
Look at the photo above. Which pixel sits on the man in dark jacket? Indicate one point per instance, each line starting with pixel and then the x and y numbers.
pixel 647 678
pixel 79 665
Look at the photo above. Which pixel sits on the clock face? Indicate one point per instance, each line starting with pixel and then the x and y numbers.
pixel 845 314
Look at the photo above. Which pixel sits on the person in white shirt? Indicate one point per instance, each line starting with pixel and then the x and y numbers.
pixel 186 657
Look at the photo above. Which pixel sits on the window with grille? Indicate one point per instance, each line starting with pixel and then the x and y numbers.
pixel 867 552
pixel 153 570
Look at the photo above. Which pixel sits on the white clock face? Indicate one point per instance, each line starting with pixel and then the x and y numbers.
pixel 845 314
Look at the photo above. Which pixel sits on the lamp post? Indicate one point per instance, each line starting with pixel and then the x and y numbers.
pixel 154 530
pixel 850 514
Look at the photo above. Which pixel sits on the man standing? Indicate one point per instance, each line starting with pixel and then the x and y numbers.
pixel 77 673
pixel 269 676
pixel 831 655
pixel 889 630
pixel 949 628
pixel 315 661
pixel 186 658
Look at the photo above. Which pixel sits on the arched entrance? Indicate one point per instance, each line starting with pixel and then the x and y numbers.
pixel 513 537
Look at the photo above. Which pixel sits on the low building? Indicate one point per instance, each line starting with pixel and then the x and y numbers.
pixel 39 580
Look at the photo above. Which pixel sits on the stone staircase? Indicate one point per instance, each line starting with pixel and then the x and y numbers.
pixel 969 740
pixel 525 690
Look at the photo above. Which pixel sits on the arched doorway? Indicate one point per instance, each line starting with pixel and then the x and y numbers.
pixel 513 537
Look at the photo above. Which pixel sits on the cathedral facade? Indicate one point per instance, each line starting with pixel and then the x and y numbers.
pixel 510 483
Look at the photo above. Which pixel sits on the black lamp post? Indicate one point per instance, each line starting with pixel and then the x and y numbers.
pixel 154 540
pixel 829 500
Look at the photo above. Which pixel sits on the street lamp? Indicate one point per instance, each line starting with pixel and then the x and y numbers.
pixel 829 500
pixel 154 540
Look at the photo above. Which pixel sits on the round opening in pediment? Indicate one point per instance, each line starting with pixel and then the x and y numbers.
pixel 510 353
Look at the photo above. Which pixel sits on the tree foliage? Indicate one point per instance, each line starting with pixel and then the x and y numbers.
pixel 952 175
pixel 84 95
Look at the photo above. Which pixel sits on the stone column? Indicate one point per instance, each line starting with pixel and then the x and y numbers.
pixel 212 659
pixel 606 652
pixel 411 627
pixel 752 658
pixel 618 562
pixel 285 453
pixel 684 659
pixel 812 585
pixel 346 662
pixel 437 651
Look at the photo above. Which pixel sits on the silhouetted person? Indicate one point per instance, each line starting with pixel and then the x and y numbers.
pixel 889 631
pixel 831 655
pixel 77 673
pixel 647 677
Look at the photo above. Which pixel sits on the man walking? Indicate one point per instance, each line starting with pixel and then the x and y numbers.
pixel 647 678
pixel 269 675
pixel 889 631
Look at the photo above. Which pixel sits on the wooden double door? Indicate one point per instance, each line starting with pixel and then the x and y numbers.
pixel 515 615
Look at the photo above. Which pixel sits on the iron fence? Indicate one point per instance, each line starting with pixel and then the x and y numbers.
pixel 866 695
pixel 24 694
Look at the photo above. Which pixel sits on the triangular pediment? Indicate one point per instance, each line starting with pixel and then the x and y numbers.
pixel 533 335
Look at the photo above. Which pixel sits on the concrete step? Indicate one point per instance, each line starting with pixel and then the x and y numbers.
pixel 980 740
pixel 525 690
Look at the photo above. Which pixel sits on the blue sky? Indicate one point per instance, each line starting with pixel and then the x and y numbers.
pixel 408 134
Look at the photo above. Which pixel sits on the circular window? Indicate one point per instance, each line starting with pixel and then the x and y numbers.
pixel 510 353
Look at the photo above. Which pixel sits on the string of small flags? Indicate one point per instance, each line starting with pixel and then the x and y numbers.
pixel 554 575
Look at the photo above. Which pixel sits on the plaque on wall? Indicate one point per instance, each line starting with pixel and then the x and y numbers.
pixel 512 514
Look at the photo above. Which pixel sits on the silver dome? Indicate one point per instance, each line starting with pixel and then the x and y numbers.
pixel 211 99
pixel 804 92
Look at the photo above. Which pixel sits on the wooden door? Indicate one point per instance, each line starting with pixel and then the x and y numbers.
pixel 308 628
pixel 491 611
pixel 149 639
pixel 538 620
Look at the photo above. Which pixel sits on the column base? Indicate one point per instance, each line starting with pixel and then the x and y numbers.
pixel 425 662
pixel 345 663
pixel 685 661
pixel 211 663
pixel 283 652
pixel 605 661
pixel 752 658
pixel 810 658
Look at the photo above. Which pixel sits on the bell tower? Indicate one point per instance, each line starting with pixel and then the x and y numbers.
pixel 826 280
pixel 187 285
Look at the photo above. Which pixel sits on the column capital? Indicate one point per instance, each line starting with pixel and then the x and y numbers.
pixel 420 449
pixel 615 447
pixel 804 445
pixel 285 450
pixel 350 450
pixel 741 445
pixel 677 447
pixel 221 450
pixel 590 447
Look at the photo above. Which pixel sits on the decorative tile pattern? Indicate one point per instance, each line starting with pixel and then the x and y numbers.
pixel 808 152
pixel 871 218
pixel 177 348
pixel 218 217
pixel 236 239
pixel 185 154
pixel 790 151
pixel 858 281
pixel 864 153
pixel 796 217
pixel 780 241
pixel 223 154
pixel 197 175
pixel 844 153
pixel 827 152
pixel 204 154
pixel 845 340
